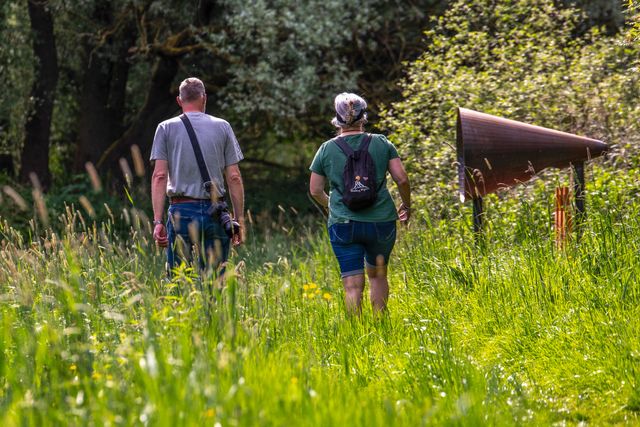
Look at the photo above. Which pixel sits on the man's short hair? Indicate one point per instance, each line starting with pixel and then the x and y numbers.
pixel 191 89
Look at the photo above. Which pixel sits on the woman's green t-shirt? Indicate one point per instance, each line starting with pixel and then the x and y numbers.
pixel 329 162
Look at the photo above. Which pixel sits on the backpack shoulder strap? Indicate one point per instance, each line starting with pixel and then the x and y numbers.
pixel 365 143
pixel 365 147
pixel 340 142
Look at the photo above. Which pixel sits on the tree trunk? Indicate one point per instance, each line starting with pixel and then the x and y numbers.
pixel 158 106
pixel 35 151
pixel 103 95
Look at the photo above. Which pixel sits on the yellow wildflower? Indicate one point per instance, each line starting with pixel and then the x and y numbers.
pixel 326 296
pixel 73 367
pixel 318 291
pixel 312 285
pixel 294 380
pixel 305 287
pixel 210 413
pixel 96 375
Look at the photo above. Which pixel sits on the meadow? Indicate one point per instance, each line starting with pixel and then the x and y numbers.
pixel 500 330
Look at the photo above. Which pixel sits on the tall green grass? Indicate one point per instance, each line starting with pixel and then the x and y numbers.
pixel 505 330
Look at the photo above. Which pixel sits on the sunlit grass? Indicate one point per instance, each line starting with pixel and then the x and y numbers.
pixel 503 331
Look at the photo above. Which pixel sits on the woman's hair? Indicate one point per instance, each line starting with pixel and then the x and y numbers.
pixel 350 111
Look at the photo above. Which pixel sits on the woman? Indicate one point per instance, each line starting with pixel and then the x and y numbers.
pixel 364 236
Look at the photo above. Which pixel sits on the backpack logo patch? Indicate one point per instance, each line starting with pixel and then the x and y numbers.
pixel 359 187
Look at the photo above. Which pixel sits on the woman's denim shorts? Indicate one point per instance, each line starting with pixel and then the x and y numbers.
pixel 355 242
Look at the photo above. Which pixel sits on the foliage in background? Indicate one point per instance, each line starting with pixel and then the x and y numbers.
pixel 16 71
pixel 633 13
pixel 518 60
pixel 271 68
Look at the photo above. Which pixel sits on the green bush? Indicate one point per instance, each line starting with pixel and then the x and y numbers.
pixel 519 59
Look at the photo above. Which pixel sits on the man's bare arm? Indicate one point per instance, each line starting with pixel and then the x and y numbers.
pixel 236 191
pixel 158 195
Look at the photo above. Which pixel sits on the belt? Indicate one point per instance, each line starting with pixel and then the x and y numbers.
pixel 184 199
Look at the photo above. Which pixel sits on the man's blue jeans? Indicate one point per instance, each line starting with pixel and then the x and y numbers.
pixel 191 231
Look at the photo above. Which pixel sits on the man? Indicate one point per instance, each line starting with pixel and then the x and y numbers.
pixel 177 173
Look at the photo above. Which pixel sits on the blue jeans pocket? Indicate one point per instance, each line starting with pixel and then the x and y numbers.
pixel 180 220
pixel 386 231
pixel 341 233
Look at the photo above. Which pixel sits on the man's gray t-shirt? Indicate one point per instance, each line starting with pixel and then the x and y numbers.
pixel 219 147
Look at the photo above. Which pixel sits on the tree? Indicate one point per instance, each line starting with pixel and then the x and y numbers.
pixel 105 68
pixel 601 13
pixel 386 41
pixel 267 65
pixel 160 99
pixel 271 68
pixel 35 151
pixel 17 66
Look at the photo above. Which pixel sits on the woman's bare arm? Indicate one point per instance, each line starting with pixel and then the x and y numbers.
pixel 316 188
pixel 399 175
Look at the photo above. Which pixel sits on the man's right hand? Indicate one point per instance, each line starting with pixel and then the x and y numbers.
pixel 238 238
pixel 160 235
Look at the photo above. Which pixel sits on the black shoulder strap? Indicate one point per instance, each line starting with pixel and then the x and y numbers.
pixel 348 150
pixel 196 149
pixel 364 147
pixel 365 143
pixel 344 146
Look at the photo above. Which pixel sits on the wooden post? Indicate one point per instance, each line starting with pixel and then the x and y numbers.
pixel 579 195
pixel 562 217
pixel 477 214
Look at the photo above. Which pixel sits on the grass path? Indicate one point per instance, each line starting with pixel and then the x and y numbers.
pixel 506 333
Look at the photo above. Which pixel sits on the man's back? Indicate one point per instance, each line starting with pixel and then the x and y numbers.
pixel 219 149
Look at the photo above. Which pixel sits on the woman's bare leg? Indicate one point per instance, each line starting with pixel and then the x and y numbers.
pixel 379 286
pixel 353 288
